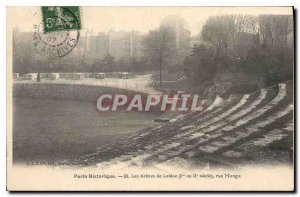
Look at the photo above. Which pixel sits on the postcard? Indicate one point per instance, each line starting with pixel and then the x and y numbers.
pixel 150 98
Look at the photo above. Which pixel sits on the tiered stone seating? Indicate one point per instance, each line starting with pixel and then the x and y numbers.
pixel 233 126
pixel 256 118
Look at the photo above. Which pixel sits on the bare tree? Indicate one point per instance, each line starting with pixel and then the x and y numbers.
pixel 108 60
pixel 282 26
pixel 217 32
pixel 237 26
pixel 159 46
pixel 274 29
pixel 223 32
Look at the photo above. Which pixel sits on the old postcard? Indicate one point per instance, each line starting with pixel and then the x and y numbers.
pixel 150 98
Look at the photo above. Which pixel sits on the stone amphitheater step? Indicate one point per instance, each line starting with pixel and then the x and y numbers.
pixel 216 103
pixel 251 129
pixel 192 134
pixel 192 115
pixel 161 140
pixel 260 98
pixel 180 132
pixel 237 115
pixel 280 96
pixel 271 136
pixel 275 135
pixel 259 146
pixel 289 127
pixel 214 146
pixel 222 115
pixel 209 114
pixel 149 132
pixel 153 148
pixel 127 141
pixel 145 135
pixel 168 146
pixel 228 139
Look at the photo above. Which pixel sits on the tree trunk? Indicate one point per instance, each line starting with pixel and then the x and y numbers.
pixel 160 77
pixel 38 77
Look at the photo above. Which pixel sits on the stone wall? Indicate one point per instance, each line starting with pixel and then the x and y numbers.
pixel 72 76
pixel 66 91
pixel 50 76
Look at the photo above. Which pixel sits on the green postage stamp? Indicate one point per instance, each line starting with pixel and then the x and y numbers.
pixel 62 18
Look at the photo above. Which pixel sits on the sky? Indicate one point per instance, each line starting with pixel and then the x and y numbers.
pixel 102 19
